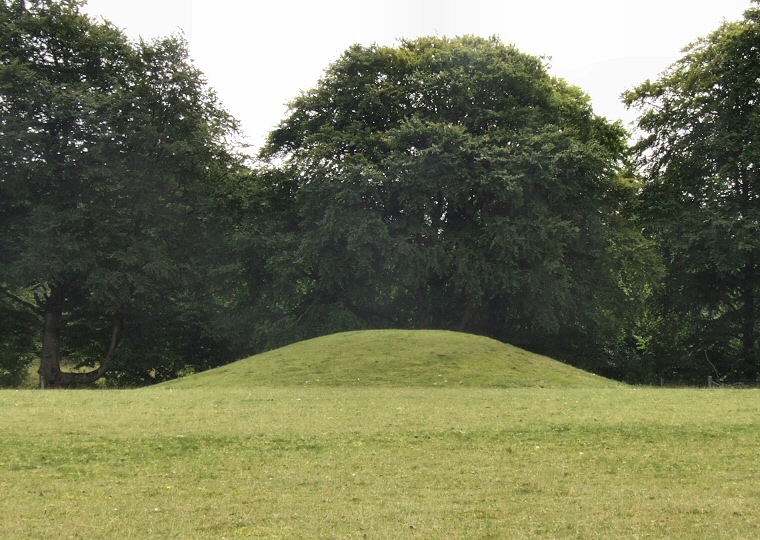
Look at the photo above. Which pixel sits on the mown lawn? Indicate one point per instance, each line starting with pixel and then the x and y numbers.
pixel 385 463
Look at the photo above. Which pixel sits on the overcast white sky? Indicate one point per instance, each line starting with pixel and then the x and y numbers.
pixel 259 55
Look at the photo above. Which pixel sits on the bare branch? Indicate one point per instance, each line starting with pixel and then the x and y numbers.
pixel 20 301
pixel 713 365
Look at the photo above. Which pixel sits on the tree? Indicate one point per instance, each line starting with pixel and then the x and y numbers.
pixel 700 153
pixel 452 183
pixel 112 154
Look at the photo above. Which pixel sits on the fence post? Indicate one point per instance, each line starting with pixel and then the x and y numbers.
pixel 709 381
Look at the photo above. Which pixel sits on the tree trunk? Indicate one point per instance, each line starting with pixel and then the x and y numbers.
pixel 52 315
pixel 749 321
pixel 51 375
pixel 749 315
pixel 423 310
pixel 467 315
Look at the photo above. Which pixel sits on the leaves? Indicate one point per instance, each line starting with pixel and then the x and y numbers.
pixel 450 184
pixel 702 196
pixel 112 158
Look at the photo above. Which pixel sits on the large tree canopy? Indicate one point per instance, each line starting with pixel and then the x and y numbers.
pixel 451 183
pixel 111 154
pixel 700 153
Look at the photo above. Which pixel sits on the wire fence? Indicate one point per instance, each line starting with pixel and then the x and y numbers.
pixel 712 382
pixel 715 383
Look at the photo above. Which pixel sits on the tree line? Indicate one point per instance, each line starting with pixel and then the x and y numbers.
pixel 441 183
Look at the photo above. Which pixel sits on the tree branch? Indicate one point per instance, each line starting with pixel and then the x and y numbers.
pixel 713 365
pixel 20 301
pixel 72 378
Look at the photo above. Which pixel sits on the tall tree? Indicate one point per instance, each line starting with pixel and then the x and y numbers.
pixel 111 153
pixel 700 154
pixel 452 183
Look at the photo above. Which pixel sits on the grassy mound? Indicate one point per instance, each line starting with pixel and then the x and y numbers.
pixel 396 358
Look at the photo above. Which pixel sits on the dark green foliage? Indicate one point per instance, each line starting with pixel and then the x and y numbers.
pixel 113 157
pixel 453 184
pixel 17 345
pixel 440 184
pixel 700 155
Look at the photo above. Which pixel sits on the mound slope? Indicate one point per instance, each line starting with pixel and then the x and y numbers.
pixel 396 358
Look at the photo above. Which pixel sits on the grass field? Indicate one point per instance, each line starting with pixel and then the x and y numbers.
pixel 384 462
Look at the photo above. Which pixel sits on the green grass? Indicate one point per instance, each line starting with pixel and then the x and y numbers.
pixel 226 454
pixel 381 463
pixel 396 358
